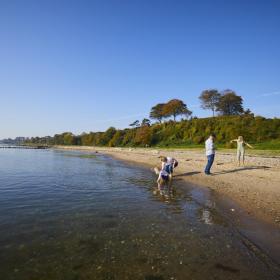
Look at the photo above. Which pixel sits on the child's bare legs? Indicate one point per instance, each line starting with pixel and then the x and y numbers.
pixel 243 158
pixel 238 157
pixel 156 170
pixel 159 182
pixel 169 180
pixel 170 189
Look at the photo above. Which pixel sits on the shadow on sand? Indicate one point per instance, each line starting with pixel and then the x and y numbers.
pixel 241 169
pixel 224 171
pixel 187 174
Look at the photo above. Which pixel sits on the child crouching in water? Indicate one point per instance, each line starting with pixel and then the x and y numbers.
pixel 163 178
pixel 165 174
pixel 170 165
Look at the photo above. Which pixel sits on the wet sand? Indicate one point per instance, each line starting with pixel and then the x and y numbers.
pixel 255 187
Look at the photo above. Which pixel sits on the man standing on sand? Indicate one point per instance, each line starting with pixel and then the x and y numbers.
pixel 210 153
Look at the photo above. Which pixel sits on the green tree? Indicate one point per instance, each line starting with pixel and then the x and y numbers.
pixel 117 139
pixel 107 136
pixel 248 112
pixel 135 124
pixel 157 112
pixel 145 122
pixel 87 139
pixel 128 138
pixel 230 103
pixel 98 138
pixel 143 136
pixel 68 138
pixel 176 107
pixel 58 139
pixel 209 99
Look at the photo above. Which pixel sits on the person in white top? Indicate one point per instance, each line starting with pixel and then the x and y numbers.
pixel 210 153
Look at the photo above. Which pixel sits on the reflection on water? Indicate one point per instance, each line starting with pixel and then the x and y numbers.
pixel 82 216
pixel 206 216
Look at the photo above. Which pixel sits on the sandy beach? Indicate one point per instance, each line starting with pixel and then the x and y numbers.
pixel 255 187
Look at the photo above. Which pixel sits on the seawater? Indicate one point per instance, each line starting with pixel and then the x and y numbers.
pixel 76 215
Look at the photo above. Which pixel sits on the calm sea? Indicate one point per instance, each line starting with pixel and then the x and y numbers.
pixel 75 215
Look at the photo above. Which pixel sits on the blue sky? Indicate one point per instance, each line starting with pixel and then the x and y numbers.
pixel 87 65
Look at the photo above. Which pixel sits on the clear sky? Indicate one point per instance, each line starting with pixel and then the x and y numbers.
pixel 87 65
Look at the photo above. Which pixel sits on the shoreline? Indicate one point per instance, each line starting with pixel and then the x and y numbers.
pixel 255 187
pixel 259 231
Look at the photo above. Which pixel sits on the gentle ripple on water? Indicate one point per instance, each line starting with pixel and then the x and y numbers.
pixel 74 215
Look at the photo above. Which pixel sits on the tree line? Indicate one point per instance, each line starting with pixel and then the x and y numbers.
pixel 232 120
pixel 183 133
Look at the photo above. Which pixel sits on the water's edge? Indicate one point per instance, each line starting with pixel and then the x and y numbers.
pixel 258 235
pixel 87 215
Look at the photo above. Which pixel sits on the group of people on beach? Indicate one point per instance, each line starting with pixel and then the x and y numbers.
pixel 168 164
pixel 210 151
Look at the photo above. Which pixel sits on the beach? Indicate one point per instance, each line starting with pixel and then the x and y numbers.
pixel 255 187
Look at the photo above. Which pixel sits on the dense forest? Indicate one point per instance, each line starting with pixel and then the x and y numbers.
pixel 183 133
pixel 232 121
